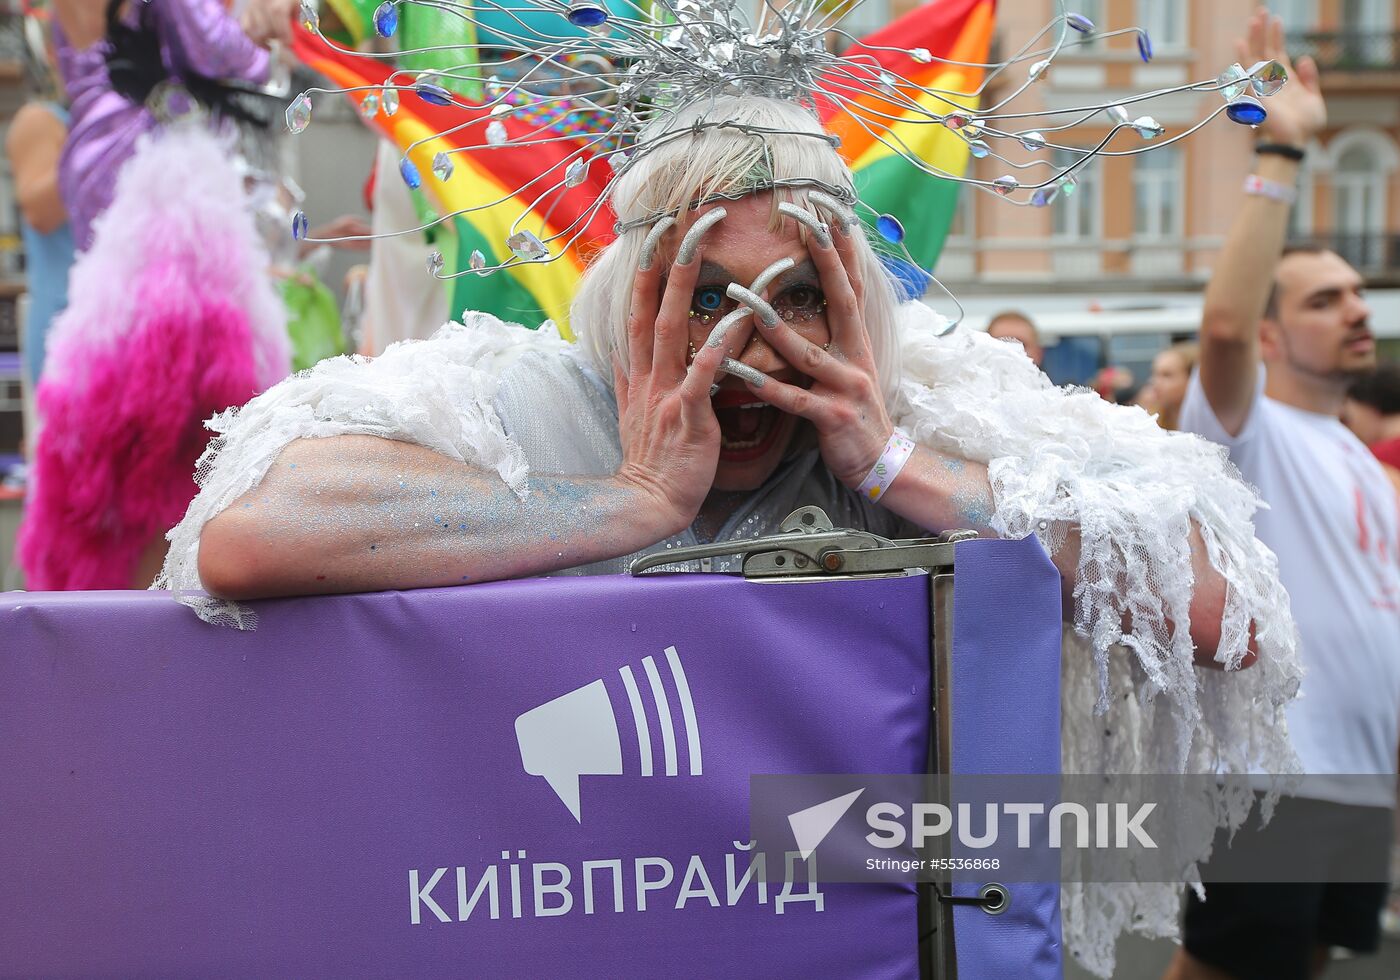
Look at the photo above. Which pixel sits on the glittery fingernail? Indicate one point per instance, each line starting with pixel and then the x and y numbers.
pixel 769 274
pixel 652 240
pixel 691 242
pixel 766 314
pixel 842 214
pixel 814 224
pixel 742 371
pixel 725 324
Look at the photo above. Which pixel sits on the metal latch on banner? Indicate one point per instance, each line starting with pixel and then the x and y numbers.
pixel 807 546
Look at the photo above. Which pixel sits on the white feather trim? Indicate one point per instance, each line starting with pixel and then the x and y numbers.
pixel 1061 457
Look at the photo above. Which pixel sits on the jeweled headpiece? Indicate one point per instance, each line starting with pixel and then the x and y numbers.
pixel 568 88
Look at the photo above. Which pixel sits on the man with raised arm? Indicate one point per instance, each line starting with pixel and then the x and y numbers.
pixel 1283 334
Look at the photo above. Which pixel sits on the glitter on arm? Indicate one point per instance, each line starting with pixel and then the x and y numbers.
pixel 423 518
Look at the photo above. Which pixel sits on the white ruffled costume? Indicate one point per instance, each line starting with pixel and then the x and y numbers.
pixel 1056 457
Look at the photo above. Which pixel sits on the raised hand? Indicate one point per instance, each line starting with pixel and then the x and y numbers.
pixel 1297 112
pixel 844 403
pixel 670 437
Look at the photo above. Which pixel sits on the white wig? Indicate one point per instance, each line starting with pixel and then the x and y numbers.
pixel 672 172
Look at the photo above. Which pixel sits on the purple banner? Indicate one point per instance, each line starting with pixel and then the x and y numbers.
pixel 1005 695
pixel 538 778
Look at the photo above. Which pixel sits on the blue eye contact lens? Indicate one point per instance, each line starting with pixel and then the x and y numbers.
pixel 709 299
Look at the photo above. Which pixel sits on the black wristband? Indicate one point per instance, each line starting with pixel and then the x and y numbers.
pixel 1294 153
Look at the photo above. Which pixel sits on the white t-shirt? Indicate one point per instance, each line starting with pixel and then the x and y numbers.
pixel 1334 522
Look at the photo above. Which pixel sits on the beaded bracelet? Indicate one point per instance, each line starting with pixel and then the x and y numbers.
pixel 887 467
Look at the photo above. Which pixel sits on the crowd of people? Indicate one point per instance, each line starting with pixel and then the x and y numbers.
pixel 742 352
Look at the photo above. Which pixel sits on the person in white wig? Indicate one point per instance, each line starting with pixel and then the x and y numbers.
pixel 743 352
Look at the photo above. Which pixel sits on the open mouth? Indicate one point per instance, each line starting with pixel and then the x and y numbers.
pixel 747 430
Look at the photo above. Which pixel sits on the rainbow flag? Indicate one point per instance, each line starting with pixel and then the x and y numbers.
pixel 955 30
pixel 525 292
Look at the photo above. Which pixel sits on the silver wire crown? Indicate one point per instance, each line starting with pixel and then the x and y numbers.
pixel 625 71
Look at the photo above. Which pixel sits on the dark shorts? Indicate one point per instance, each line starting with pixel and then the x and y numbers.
pixel 1271 931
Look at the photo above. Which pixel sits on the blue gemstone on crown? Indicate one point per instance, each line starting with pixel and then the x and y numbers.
pixel 1246 111
pixel 587 15
pixel 386 18
pixel 889 228
pixel 1144 45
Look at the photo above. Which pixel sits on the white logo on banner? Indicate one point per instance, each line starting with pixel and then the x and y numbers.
pixel 576 734
pixel 810 826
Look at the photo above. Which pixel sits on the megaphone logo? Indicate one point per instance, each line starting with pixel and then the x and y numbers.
pixel 576 733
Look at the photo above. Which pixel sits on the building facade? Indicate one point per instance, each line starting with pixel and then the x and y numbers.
pixel 1153 223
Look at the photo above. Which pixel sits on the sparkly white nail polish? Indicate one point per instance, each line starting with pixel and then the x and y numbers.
pixel 766 314
pixel 742 371
pixel 653 239
pixel 691 241
pixel 814 224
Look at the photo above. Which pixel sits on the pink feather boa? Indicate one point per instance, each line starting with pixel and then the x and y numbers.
pixel 172 318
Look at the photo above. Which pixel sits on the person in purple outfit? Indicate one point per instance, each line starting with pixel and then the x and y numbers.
pixel 172 316
pixel 112 67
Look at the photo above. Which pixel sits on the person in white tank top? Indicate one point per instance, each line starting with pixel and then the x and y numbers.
pixel 1284 332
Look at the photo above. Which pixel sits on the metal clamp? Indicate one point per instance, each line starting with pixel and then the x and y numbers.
pixel 807 546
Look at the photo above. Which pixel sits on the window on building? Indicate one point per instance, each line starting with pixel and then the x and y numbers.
pixel 1366 15
pixel 1365 36
pixel 1078 215
pixel 1157 189
pixel 964 224
pixel 1298 16
pixel 1164 21
pixel 1359 205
